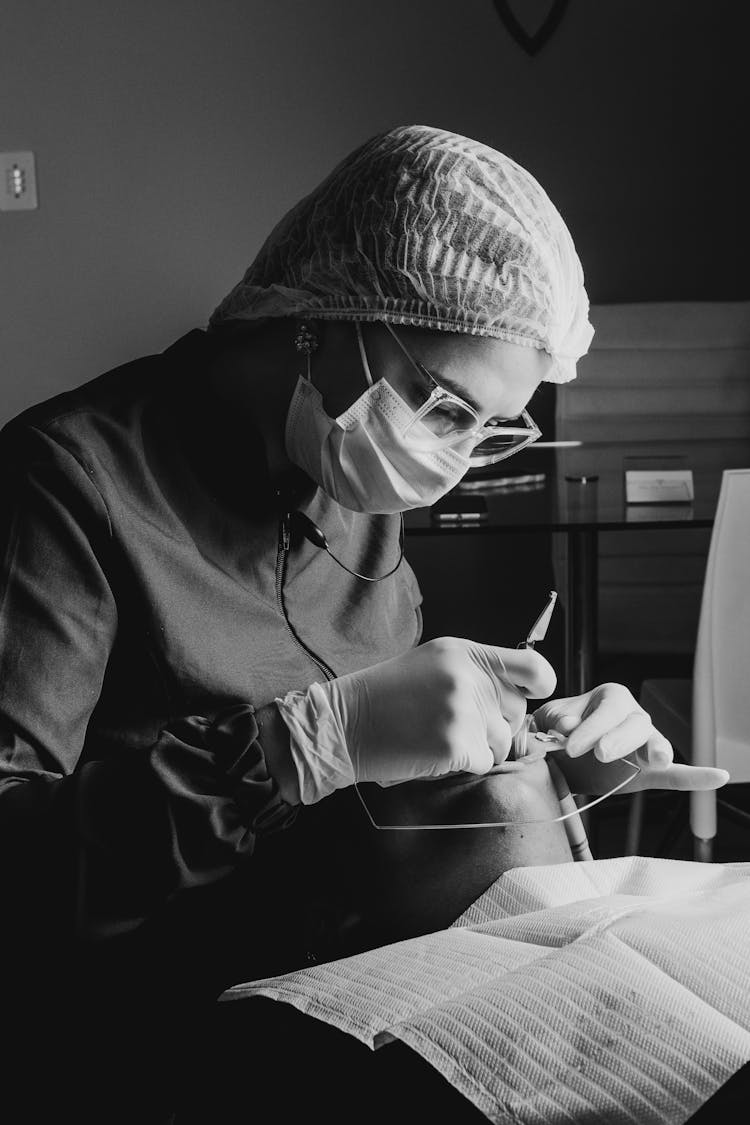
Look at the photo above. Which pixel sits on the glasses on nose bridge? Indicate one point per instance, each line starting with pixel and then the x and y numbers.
pixel 442 419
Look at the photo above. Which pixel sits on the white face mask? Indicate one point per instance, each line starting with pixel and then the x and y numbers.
pixel 360 459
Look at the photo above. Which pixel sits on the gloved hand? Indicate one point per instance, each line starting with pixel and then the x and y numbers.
pixel 448 705
pixel 609 721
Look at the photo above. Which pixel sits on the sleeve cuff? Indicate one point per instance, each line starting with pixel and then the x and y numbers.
pixel 233 738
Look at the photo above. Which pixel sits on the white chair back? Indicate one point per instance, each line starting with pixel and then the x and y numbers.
pixel 721 677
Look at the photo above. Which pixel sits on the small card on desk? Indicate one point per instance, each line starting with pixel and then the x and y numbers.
pixel 658 486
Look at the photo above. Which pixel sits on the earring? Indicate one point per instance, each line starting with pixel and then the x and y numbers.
pixel 306 340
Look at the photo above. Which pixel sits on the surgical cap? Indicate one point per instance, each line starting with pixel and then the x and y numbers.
pixel 425 227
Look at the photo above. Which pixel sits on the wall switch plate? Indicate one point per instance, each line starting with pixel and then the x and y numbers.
pixel 17 181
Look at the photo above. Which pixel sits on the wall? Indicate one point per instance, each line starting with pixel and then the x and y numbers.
pixel 171 134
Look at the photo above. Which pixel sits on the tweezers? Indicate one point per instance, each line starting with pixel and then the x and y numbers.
pixel 538 630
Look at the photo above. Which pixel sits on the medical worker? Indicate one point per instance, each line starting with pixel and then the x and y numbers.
pixel 206 621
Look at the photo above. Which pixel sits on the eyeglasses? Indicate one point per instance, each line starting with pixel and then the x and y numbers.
pixel 443 419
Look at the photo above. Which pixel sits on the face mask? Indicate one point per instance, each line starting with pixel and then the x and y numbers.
pixel 360 459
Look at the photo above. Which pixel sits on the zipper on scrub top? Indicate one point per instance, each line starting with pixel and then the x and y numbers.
pixel 282 558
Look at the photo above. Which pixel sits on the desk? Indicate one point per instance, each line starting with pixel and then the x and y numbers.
pixel 581 512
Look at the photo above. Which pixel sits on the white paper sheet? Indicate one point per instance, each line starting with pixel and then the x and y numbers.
pixel 614 990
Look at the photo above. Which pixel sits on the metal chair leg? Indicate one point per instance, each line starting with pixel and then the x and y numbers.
pixel 635 824
pixel 703 814
pixel 703 850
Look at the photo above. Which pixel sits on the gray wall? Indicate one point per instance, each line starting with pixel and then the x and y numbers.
pixel 171 134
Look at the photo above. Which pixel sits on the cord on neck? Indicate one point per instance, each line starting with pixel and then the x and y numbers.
pixel 310 531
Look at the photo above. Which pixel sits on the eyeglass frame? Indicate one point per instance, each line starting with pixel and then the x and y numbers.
pixel 530 431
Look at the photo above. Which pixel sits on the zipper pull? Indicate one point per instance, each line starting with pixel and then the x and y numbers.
pixel 286 534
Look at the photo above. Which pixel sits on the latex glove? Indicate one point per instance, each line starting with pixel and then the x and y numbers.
pixel 606 724
pixel 448 705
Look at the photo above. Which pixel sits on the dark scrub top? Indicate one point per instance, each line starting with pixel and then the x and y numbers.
pixel 147 607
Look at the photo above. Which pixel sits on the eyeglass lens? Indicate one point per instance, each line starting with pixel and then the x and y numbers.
pixel 563 816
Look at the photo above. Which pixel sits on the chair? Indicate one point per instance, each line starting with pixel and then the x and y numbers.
pixel 707 719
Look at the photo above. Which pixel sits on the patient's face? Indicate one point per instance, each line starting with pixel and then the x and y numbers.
pixel 391 885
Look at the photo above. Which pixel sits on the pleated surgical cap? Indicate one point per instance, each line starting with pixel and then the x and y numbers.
pixel 425 227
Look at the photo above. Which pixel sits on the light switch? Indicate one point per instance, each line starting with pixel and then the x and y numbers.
pixel 17 181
